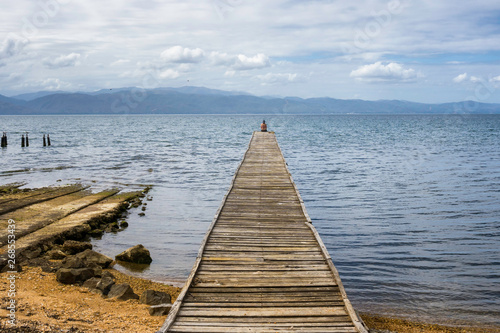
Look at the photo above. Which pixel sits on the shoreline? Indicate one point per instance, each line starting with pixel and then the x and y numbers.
pixel 45 305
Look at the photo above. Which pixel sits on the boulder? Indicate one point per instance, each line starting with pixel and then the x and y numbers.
pixel 160 310
pixel 74 275
pixel 122 292
pixel 105 285
pixel 56 254
pixel 90 256
pixel 91 283
pixel 107 274
pixel 74 247
pixel 73 262
pixel 137 254
pixel 96 232
pixel 46 265
pixel 96 268
pixel 112 227
pixel 32 254
pixel 153 297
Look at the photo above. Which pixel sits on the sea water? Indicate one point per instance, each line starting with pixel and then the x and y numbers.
pixel 408 206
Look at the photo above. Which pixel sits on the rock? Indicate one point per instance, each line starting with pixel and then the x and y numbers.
pixel 49 269
pixel 37 262
pixel 73 262
pixel 107 274
pixel 137 254
pixel 112 227
pixel 124 224
pixel 96 268
pixel 105 285
pixel 160 310
pixel 56 254
pixel 142 214
pixel 91 283
pixel 74 275
pixel 35 253
pixel 96 233
pixel 74 247
pixel 47 266
pixel 90 256
pixel 153 297
pixel 122 292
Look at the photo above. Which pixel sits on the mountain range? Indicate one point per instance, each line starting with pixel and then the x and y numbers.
pixel 200 100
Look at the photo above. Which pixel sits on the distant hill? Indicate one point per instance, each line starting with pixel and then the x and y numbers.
pixel 200 100
pixel 9 105
pixel 32 96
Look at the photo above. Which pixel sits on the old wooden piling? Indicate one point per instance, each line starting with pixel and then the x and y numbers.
pixel 262 266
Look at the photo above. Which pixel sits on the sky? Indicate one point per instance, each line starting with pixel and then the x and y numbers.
pixel 430 51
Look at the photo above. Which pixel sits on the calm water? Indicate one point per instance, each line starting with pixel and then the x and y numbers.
pixel 408 206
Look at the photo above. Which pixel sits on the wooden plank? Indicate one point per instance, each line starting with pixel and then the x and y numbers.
pixel 331 320
pixel 187 329
pixel 262 312
pixel 260 267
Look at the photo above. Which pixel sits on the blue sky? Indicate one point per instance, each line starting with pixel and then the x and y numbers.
pixel 423 51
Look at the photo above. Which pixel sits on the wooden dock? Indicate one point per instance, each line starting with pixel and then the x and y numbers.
pixel 262 266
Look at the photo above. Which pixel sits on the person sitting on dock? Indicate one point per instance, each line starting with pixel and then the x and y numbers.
pixel 263 126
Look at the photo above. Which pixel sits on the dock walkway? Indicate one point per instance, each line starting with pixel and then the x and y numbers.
pixel 262 266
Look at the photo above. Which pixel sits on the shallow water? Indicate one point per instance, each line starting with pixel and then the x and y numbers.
pixel 408 206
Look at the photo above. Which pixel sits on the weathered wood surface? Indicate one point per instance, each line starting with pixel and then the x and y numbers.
pixel 262 266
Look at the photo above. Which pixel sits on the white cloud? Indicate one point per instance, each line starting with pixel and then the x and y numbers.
pixel 245 63
pixel 379 72
pixel 460 78
pixel 169 74
pixel 11 46
pixel 475 79
pixel 179 54
pixel 240 62
pixel 50 84
pixel 70 60
pixel 495 79
pixel 278 78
